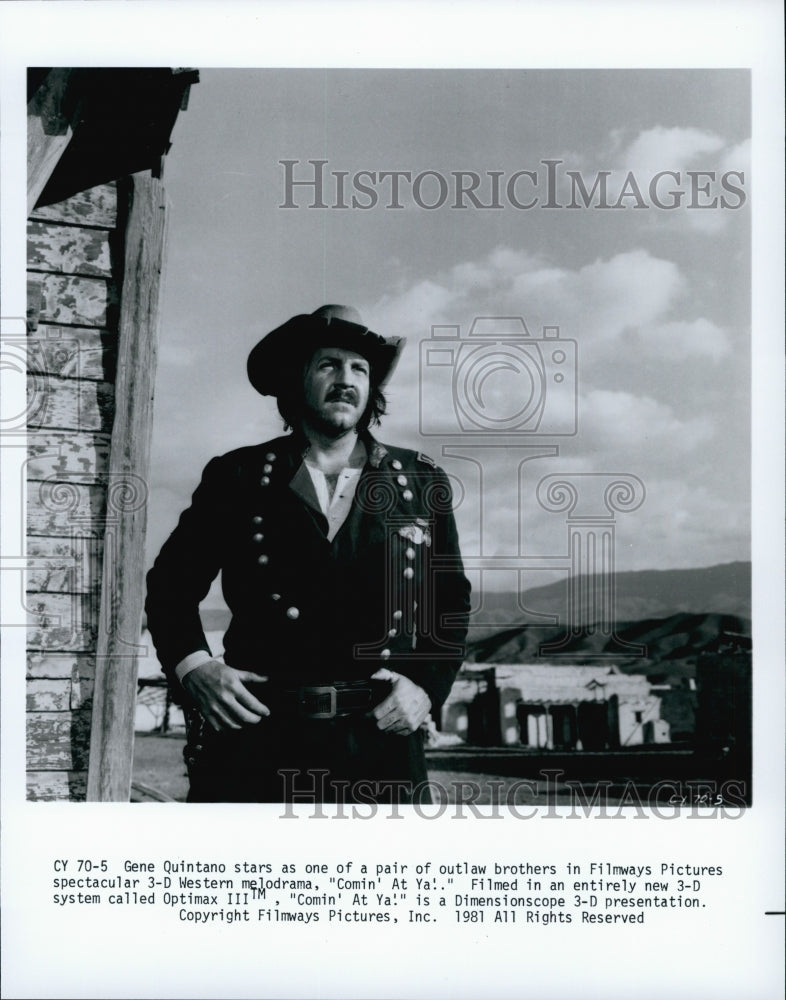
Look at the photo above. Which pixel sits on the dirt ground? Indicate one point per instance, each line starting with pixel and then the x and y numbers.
pixel 160 775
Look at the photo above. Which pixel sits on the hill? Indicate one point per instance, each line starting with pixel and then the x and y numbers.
pixel 673 614
pixel 668 646
pixel 640 595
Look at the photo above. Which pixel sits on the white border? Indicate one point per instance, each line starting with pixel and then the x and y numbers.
pixel 736 951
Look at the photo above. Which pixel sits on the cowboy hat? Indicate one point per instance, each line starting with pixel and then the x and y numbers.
pixel 282 353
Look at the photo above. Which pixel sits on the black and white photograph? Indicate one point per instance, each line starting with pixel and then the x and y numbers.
pixel 392 531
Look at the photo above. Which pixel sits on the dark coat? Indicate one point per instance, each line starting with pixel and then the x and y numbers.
pixel 389 590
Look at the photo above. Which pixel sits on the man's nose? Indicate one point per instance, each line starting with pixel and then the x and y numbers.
pixel 345 375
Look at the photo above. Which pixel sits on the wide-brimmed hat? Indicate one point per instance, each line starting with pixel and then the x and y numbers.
pixel 283 352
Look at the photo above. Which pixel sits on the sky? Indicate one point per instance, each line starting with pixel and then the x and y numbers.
pixel 652 302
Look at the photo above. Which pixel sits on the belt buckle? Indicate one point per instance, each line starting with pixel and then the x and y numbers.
pixel 317 702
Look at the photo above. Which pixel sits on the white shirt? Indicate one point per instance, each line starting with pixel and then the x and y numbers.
pixel 335 508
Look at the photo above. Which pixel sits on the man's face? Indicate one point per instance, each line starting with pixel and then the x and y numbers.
pixel 336 385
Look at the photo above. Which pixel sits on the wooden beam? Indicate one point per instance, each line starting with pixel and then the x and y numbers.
pixel 114 698
pixel 48 132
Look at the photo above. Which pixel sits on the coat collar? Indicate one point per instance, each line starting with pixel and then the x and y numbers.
pixel 293 446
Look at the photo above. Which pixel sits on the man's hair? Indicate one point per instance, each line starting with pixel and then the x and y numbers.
pixel 292 407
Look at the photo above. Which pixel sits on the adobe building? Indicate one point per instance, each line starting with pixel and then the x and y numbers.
pixel 552 706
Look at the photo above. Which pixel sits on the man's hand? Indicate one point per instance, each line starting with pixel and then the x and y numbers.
pixel 405 708
pixel 221 697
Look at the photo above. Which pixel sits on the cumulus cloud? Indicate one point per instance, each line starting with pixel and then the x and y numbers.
pixel 621 423
pixel 640 403
pixel 600 299
pixel 681 339
pixel 681 149
pixel 662 148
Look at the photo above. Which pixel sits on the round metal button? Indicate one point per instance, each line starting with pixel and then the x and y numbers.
pixel 407 494
pixel 263 560
pixel 293 613
pixel 409 553
pixel 396 464
pixel 409 572
pixel 265 480
pixel 275 597
pixel 401 480
pixel 256 519
pixel 398 614
pixel 267 468
pixel 258 537
pixel 270 457
pixel 385 654
pixel 393 632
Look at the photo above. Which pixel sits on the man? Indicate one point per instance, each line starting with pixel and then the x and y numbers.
pixel 340 564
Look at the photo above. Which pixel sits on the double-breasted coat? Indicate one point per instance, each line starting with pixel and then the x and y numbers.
pixel 388 591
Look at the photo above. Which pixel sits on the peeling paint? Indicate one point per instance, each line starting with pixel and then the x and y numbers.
pixel 68 250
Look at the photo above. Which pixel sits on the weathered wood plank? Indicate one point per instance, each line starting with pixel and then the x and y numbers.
pixel 69 404
pixel 49 131
pixel 58 666
pixel 62 249
pixel 35 296
pixel 73 352
pixel 69 456
pixel 78 301
pixel 69 565
pixel 56 786
pixel 57 741
pixel 49 695
pixel 112 736
pixel 65 509
pixel 63 622
pixel 58 695
pixel 94 207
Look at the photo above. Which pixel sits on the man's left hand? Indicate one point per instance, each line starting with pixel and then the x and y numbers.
pixel 405 708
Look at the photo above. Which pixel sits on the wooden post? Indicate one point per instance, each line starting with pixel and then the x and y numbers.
pixel 114 699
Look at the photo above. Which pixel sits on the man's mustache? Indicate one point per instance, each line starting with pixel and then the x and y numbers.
pixel 342 396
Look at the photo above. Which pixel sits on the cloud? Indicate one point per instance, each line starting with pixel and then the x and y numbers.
pixel 679 150
pixel 600 299
pixel 662 148
pixel 644 405
pixel 621 424
pixel 682 339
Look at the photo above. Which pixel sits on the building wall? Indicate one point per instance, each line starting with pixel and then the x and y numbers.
pixel 74 272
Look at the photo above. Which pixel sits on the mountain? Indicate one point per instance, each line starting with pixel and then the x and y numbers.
pixel 674 614
pixel 664 620
pixel 640 595
pixel 667 646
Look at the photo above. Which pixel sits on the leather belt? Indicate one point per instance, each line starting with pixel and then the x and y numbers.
pixel 331 700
